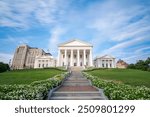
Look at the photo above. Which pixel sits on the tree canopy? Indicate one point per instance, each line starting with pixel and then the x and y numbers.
pixel 141 64
pixel 4 67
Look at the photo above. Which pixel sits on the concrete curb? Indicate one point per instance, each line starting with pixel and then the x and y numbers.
pixel 54 89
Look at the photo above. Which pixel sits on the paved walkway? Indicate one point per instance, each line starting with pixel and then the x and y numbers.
pixel 76 87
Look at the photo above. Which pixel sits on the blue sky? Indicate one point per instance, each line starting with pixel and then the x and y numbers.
pixel 120 28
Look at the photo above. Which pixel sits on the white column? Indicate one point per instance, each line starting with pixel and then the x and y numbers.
pixel 65 57
pixel 84 54
pixel 114 63
pixel 58 59
pixel 71 58
pixel 105 63
pixel 108 63
pixel 91 61
pixel 78 57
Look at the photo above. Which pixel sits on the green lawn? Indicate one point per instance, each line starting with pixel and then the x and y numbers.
pixel 27 76
pixel 127 76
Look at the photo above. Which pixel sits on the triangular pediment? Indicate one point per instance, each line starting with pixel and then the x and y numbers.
pixel 75 43
pixel 107 56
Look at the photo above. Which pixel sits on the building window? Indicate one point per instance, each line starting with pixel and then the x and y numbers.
pixel 74 56
pixel 43 65
pixel 80 55
pixel 106 65
pixel 69 56
pixel 110 65
pixel 63 64
pixel 63 56
pixel 86 56
pixel 103 65
pixel 39 65
pixel 75 64
pixel 39 60
pixel 46 60
pixel 42 60
pixel 46 65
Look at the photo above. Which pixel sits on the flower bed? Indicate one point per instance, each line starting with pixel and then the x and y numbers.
pixel 37 90
pixel 119 91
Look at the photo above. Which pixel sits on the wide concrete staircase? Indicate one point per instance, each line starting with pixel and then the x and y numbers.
pixel 76 87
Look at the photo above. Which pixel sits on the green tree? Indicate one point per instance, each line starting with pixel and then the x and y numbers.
pixel 4 67
pixel 141 65
pixel 131 66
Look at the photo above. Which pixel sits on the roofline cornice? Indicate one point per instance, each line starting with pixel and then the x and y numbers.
pixel 60 45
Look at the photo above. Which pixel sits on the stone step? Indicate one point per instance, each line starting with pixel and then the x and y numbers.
pixel 80 94
pixel 78 98
pixel 77 68
pixel 76 80
pixel 76 84
pixel 77 88
pixel 80 80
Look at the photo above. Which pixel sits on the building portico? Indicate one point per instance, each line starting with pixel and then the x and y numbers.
pixel 75 53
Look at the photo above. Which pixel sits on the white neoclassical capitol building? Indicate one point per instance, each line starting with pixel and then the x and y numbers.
pixel 71 53
pixel 75 53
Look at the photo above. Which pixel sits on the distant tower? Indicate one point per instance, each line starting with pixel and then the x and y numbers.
pixel 20 57
pixel 24 57
pixel 9 63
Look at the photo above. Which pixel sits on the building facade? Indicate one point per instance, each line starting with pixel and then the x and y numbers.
pixel 45 61
pixel 121 64
pixel 106 61
pixel 24 57
pixel 75 53
pixel 72 53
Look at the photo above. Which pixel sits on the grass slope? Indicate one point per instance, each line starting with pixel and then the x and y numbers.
pixel 127 76
pixel 27 76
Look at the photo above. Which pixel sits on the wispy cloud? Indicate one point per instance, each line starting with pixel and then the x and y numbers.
pixel 126 44
pixel 23 14
pixel 142 49
pixel 4 57
pixel 135 57
pixel 120 26
pixel 121 23
pixel 114 27
pixel 55 38
pixel 18 40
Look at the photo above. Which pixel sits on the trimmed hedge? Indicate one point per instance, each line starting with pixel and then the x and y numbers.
pixel 119 91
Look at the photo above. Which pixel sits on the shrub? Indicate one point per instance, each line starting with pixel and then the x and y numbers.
pixel 119 91
pixel 37 90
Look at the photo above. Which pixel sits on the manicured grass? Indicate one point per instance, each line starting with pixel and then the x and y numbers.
pixel 27 76
pixel 127 76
